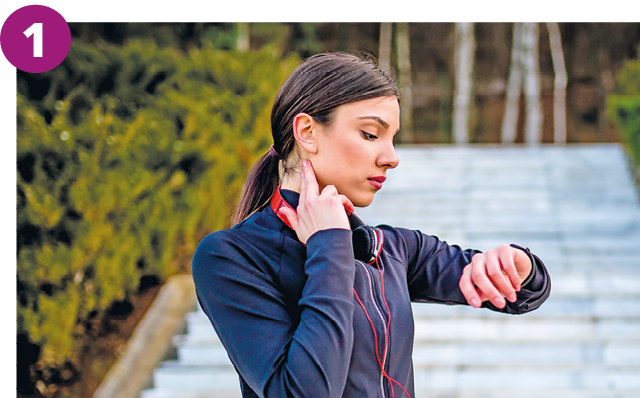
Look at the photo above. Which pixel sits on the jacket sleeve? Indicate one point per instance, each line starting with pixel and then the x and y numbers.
pixel 434 269
pixel 276 356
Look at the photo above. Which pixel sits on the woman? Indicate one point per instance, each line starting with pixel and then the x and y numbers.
pixel 307 299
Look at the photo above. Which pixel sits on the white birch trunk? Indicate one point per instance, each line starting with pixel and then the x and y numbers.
pixel 559 85
pixel 384 51
pixel 514 86
pixel 464 56
pixel 533 123
pixel 404 69
pixel 242 41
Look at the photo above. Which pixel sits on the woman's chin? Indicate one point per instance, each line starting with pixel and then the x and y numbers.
pixel 362 200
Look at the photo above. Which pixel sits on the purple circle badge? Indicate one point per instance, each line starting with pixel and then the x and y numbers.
pixel 35 38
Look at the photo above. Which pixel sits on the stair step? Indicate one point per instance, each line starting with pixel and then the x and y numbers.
pixel 173 375
pixel 519 393
pixel 423 393
pixel 459 377
pixel 508 329
pixel 519 354
pixel 186 393
pixel 554 307
pixel 469 353
pixel 530 378
pixel 614 263
pixel 529 330
pixel 203 353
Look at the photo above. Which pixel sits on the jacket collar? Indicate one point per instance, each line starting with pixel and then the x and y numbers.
pixel 291 199
pixel 367 241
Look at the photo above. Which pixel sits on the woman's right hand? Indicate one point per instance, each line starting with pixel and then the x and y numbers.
pixel 317 210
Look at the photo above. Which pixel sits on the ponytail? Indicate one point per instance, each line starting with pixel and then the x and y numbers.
pixel 259 187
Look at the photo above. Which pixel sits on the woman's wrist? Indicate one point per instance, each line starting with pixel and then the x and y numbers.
pixel 534 267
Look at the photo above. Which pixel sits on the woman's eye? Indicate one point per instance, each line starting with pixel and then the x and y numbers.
pixel 368 136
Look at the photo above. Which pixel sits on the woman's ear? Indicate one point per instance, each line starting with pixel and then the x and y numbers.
pixel 305 132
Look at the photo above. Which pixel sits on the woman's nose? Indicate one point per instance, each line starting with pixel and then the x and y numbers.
pixel 388 158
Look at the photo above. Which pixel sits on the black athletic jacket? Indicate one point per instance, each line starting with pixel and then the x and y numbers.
pixel 298 321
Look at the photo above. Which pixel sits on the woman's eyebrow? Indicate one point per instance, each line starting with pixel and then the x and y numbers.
pixel 377 119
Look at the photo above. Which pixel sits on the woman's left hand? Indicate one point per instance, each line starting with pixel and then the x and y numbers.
pixel 494 276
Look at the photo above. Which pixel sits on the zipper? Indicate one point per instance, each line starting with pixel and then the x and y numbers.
pixel 367 272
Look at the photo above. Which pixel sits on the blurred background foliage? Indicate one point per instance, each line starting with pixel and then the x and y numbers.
pixel 137 145
pixel 127 155
pixel 624 106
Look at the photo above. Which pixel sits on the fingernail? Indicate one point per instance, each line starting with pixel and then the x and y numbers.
pixel 512 297
pixel 475 302
pixel 500 302
pixel 305 162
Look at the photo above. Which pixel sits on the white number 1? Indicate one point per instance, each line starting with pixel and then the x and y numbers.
pixel 35 30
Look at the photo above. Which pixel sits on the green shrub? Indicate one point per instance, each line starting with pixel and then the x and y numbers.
pixel 127 156
pixel 624 106
pixel 625 111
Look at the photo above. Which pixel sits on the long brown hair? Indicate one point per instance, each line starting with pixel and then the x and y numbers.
pixel 317 87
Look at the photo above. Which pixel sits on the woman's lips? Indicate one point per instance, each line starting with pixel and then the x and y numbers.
pixel 377 181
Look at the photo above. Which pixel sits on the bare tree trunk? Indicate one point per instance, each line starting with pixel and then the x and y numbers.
pixel 242 41
pixel 559 85
pixel 404 69
pixel 533 125
pixel 464 55
pixel 384 52
pixel 510 122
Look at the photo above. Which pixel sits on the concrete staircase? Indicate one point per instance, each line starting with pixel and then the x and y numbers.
pixel 576 207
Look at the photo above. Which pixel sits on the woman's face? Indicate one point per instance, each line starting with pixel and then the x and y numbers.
pixel 356 150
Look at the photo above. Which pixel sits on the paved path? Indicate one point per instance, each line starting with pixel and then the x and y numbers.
pixel 576 207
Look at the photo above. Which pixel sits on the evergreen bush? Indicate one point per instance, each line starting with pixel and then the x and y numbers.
pixel 624 106
pixel 127 156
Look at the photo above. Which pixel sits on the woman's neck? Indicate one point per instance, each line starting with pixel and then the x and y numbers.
pixel 292 183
